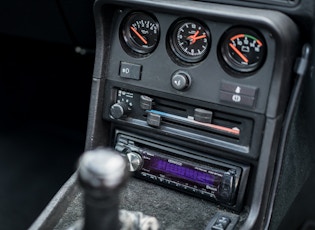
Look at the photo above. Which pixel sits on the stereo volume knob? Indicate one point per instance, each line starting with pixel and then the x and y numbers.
pixel 118 110
pixel 135 161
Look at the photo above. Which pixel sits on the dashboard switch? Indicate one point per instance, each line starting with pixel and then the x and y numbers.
pixel 130 70
pixel 239 99
pixel 221 223
pixel 238 94
pixel 239 89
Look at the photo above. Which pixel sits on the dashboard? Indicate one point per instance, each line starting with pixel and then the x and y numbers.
pixel 205 100
pixel 196 93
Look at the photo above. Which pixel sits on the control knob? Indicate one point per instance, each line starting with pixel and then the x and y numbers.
pixel 135 161
pixel 119 109
pixel 180 80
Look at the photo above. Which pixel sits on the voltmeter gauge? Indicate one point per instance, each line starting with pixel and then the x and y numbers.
pixel 190 40
pixel 140 32
pixel 243 50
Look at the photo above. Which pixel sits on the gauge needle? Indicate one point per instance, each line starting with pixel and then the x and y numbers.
pixel 238 53
pixel 194 38
pixel 139 35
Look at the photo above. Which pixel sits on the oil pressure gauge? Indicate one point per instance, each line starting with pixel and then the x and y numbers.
pixel 140 32
pixel 190 40
pixel 243 50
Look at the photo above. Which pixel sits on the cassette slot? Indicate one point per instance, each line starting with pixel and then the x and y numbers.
pixel 169 107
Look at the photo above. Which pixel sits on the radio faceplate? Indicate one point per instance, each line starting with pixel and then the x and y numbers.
pixel 212 179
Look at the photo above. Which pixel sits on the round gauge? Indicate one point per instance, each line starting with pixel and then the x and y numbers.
pixel 141 32
pixel 243 50
pixel 190 40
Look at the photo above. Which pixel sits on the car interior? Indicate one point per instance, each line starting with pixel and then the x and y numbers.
pixel 166 114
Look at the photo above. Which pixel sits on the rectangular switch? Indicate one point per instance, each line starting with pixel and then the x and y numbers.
pixel 130 70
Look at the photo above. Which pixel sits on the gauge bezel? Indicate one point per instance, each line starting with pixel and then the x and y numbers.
pixel 229 63
pixel 177 54
pixel 127 41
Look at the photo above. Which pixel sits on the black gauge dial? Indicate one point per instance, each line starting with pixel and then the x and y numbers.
pixel 190 40
pixel 140 32
pixel 243 50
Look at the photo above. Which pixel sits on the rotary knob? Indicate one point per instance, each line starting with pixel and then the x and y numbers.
pixel 135 161
pixel 180 80
pixel 118 110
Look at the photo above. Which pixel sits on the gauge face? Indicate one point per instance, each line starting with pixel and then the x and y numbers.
pixel 140 32
pixel 243 50
pixel 190 40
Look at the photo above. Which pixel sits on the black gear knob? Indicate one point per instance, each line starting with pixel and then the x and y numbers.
pixel 101 174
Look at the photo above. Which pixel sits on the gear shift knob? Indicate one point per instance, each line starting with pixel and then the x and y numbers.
pixel 101 174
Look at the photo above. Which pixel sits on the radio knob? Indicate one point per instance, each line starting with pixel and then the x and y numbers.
pixel 135 161
pixel 119 109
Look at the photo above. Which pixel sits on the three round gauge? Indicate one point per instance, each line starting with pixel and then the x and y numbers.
pixel 240 49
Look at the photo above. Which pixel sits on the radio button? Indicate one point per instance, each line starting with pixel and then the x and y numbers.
pixel 173 183
pixel 152 177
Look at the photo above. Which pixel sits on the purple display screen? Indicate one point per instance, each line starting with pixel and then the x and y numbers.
pixel 182 173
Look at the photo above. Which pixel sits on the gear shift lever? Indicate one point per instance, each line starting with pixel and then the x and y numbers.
pixel 102 173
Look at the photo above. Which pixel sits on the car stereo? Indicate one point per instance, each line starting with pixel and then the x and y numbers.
pixel 183 169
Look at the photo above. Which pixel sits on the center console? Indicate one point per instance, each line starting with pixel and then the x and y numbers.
pixel 194 95
pixel 206 101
